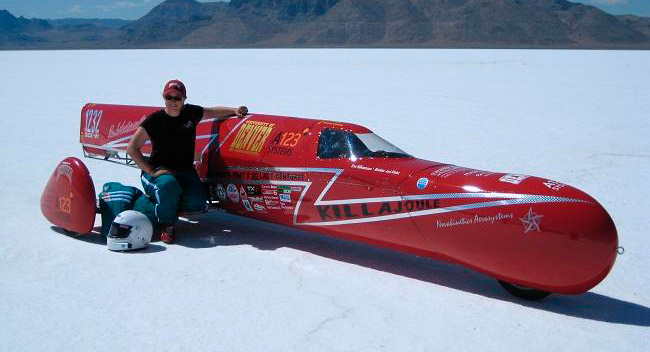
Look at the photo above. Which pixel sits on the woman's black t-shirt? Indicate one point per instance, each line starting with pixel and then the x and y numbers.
pixel 173 138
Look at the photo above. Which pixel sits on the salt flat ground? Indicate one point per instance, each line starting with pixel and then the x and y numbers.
pixel 231 284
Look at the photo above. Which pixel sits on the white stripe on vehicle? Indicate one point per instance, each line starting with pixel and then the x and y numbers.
pixel 511 198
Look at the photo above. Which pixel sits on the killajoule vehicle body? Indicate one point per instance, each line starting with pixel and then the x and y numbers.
pixel 340 179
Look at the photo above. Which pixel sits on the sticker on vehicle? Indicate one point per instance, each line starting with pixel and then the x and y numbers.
pixel 247 205
pixel 233 193
pixel 260 208
pixel 221 192
pixel 515 179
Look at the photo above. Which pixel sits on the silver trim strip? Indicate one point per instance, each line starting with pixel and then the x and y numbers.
pixel 465 195
pixel 213 137
pixel 233 130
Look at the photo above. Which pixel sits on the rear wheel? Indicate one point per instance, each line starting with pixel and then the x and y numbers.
pixel 524 292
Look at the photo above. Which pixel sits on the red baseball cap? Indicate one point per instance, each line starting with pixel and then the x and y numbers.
pixel 175 86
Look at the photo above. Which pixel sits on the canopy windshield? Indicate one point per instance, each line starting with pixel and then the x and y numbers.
pixel 349 145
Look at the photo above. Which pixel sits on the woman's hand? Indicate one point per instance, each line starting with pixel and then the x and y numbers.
pixel 241 111
pixel 160 172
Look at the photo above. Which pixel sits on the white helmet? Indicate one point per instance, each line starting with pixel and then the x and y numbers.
pixel 130 230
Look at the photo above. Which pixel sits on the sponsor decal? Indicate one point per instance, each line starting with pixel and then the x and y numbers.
pixel 329 123
pixel 65 203
pixel 251 137
pixel 233 193
pixel 93 118
pixel 256 199
pixel 284 189
pixel 65 170
pixel 422 182
pixel 276 176
pixel 515 179
pixel 123 128
pixel 242 193
pixel 264 176
pixel 554 185
pixel 285 198
pixel 247 205
pixel 375 169
pixel 269 187
pixel 362 210
pixel 259 208
pixel 221 192
pixel 286 207
pixel 454 222
pixel 283 143
pixel 290 177
pixel 271 202
pixel 269 192
pixel 273 207
pixel 478 173
pixel 448 170
pixel 274 149
pixel 531 221
pixel 361 167
pixel 477 219
pixel 378 169
pixel 253 190
pixel 296 189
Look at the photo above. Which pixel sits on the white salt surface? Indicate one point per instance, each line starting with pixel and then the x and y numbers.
pixel 231 284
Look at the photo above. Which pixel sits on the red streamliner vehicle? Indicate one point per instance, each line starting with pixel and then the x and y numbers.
pixel 534 235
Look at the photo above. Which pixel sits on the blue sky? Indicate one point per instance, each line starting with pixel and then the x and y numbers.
pixel 53 9
pixel 134 9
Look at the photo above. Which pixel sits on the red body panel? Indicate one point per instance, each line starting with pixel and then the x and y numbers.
pixel 68 200
pixel 521 229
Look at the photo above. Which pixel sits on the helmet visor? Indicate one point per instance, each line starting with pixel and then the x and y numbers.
pixel 120 231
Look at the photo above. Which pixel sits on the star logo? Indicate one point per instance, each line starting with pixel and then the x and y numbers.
pixel 531 221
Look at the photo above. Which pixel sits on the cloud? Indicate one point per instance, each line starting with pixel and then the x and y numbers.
pixel 75 9
pixel 123 4
pixel 118 5
pixel 609 2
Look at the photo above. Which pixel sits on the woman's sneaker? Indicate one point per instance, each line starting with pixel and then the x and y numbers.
pixel 168 234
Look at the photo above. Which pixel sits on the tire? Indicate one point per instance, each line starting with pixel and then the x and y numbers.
pixel 527 293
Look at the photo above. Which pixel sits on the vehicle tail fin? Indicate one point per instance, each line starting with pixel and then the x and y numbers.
pixel 68 200
pixel 106 129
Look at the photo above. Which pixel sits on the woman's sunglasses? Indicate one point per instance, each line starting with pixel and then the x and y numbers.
pixel 175 98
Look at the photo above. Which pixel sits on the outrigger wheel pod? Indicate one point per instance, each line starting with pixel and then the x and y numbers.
pixel 68 200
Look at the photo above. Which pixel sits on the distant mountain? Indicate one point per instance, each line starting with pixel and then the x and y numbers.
pixel 22 33
pixel 169 22
pixel 19 31
pixel 343 23
pixel 639 24
pixel 11 24
pixel 99 22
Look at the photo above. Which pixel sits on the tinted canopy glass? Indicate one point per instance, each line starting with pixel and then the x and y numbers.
pixel 348 145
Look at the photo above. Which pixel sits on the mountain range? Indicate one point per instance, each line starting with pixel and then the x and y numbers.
pixel 340 23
